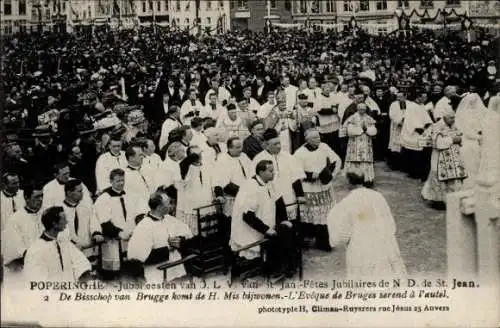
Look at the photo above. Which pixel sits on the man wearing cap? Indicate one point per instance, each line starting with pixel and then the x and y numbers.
pixel 360 129
pixel 11 197
pixel 320 164
pixel 135 124
pixel 289 173
pixel 171 122
pixel 447 166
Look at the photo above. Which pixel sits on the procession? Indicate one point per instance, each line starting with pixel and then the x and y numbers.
pixel 154 155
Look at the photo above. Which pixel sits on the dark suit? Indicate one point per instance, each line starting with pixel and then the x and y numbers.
pixel 252 146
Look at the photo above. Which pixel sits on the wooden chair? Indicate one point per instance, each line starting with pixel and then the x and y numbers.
pixel 211 245
pixel 170 264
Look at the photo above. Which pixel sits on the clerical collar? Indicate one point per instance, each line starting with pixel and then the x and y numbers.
pixel 113 193
pixel 60 183
pixel 9 195
pixel 114 154
pixel 326 95
pixel 30 211
pixel 69 204
pixel 46 237
pixel 154 217
pixel 259 180
pixel 233 156
pixel 311 147
pixel 133 168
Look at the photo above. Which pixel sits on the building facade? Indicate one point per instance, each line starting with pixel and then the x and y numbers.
pixel 252 14
pixel 315 11
pixel 149 11
pixel 209 13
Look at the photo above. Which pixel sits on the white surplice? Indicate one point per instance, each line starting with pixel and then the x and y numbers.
pixel 321 196
pixel 44 261
pixel 108 208
pixel 167 127
pixel 260 198
pixel 152 233
pixel 287 170
pixel 53 194
pixel 104 165
pixel 194 191
pixel 9 204
pixel 363 221
pixel 235 170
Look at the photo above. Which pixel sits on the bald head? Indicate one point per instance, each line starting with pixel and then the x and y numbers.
pixel 313 137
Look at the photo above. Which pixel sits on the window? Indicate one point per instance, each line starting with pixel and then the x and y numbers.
pixel 315 6
pixel 403 4
pixel 150 5
pixel 453 2
pixel 221 4
pixel 166 5
pixel 144 6
pixel 158 7
pixel 382 5
pixel 209 21
pixel 288 5
pixel 347 5
pixel 427 3
pixel 209 5
pixel 90 12
pixel 63 7
pixel 177 5
pixel 231 4
pixel 242 4
pixel 329 6
pixel 303 6
pixel 364 5
pixel 7 8
pixel 22 7
pixel 273 4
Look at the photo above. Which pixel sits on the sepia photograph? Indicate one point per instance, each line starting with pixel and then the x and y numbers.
pixel 285 163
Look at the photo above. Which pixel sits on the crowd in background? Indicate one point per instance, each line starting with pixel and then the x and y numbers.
pixel 75 103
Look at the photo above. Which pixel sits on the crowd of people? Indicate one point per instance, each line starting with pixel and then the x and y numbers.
pixel 115 138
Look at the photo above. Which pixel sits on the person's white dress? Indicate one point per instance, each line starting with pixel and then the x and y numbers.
pixel 363 222
pixel 468 119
